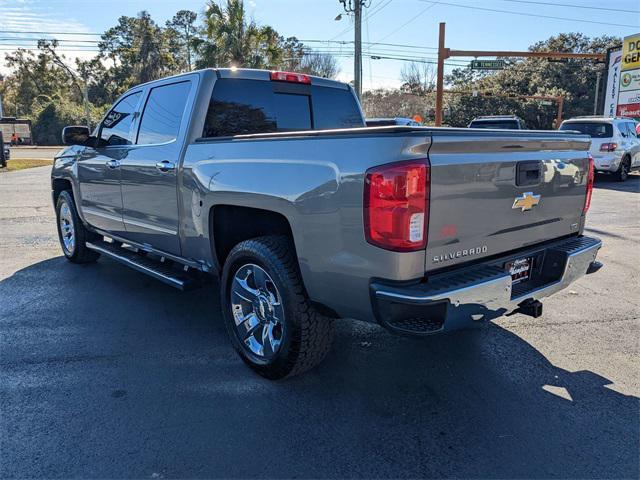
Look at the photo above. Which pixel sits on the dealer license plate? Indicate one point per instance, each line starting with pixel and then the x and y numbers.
pixel 520 269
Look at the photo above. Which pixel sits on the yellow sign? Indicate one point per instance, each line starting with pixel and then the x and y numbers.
pixel 631 52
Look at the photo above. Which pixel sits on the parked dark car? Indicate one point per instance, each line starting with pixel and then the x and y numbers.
pixel 4 153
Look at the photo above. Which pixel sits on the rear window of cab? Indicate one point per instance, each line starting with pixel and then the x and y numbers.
pixel 242 107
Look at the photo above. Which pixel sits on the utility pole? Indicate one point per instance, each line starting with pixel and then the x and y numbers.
pixel 85 100
pixel 355 7
pixel 595 100
pixel 445 53
pixel 440 74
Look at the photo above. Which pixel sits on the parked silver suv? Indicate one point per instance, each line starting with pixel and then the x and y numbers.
pixel 615 145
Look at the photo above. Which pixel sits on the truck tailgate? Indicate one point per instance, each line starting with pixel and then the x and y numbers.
pixel 495 192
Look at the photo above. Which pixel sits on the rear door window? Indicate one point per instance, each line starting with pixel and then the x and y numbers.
pixel 163 113
pixel 593 129
pixel 631 129
pixel 116 126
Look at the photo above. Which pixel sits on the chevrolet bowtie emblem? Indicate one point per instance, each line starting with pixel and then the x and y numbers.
pixel 527 201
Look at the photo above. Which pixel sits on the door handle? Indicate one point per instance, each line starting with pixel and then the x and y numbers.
pixel 112 164
pixel 165 166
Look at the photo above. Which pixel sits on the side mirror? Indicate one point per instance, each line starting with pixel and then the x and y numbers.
pixel 75 135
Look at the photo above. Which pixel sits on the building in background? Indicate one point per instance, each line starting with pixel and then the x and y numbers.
pixel 20 127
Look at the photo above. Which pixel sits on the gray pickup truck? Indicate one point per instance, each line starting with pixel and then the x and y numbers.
pixel 271 182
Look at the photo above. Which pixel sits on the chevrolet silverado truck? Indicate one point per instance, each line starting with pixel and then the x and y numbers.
pixel 271 182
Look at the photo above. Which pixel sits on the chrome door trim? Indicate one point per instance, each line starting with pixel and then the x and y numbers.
pixel 98 213
pixel 148 226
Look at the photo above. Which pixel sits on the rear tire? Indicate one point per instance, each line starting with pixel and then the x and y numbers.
pixel 623 170
pixel 72 233
pixel 269 318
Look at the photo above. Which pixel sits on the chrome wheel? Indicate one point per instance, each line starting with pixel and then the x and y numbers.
pixel 257 311
pixel 67 228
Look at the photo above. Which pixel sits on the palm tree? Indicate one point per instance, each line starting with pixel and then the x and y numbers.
pixel 232 40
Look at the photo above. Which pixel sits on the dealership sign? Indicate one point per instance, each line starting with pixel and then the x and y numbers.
pixel 614 57
pixel 629 83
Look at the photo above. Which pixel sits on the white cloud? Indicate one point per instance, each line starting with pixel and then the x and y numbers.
pixel 19 19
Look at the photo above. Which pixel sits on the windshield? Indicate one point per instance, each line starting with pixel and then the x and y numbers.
pixel 508 124
pixel 593 129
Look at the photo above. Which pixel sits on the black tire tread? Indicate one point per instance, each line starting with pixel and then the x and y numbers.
pixel 312 341
pixel 618 173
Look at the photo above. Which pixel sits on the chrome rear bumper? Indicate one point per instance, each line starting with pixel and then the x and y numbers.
pixel 481 292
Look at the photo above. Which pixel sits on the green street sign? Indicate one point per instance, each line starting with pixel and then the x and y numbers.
pixel 487 64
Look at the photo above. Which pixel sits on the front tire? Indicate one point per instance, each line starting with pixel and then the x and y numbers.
pixel 71 231
pixel 270 320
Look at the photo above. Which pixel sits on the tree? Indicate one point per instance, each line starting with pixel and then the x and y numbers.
pixel 231 40
pixel 140 51
pixel 574 80
pixel 418 78
pixel 183 26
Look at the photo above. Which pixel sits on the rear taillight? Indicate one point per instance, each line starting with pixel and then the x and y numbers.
pixel 290 77
pixel 608 147
pixel 590 178
pixel 396 205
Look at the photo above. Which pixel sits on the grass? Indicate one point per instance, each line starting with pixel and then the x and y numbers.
pixel 22 163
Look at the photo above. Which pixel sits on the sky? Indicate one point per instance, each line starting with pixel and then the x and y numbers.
pixel 470 24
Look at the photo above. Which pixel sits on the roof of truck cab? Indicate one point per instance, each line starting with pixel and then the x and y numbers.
pixel 246 74
pixel 265 75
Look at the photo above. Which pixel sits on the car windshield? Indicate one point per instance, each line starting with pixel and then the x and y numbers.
pixel 508 124
pixel 593 129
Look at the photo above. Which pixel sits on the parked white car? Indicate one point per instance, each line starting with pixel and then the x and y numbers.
pixel 615 145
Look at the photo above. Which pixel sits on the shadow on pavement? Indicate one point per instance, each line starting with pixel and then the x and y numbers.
pixel 632 184
pixel 107 373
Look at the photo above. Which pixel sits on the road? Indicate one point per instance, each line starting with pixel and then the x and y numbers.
pixel 108 373
pixel 34 152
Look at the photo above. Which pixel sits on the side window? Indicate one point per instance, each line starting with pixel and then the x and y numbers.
pixel 240 107
pixel 163 113
pixel 623 130
pixel 116 126
pixel 631 128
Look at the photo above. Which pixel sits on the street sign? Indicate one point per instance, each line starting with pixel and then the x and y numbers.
pixel 487 64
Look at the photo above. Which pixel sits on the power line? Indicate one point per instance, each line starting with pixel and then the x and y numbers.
pixel 345 42
pixel 536 15
pixel 573 6
pixel 410 21
pixel 51 33
pixel 35 39
pixel 373 12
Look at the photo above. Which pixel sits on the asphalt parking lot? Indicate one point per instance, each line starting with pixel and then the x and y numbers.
pixel 107 373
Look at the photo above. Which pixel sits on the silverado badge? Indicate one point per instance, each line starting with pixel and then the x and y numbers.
pixel 526 201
